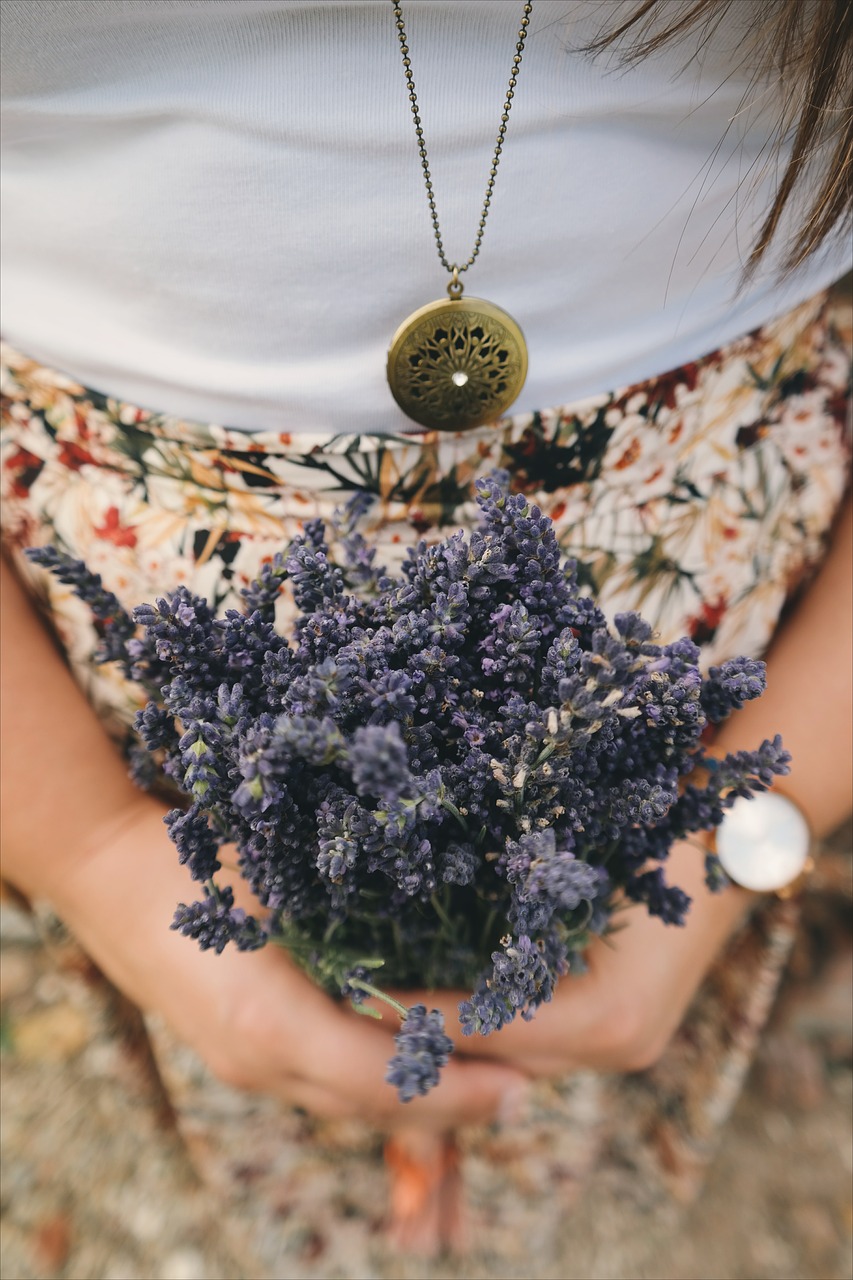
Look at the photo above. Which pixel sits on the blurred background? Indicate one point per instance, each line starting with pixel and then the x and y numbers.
pixel 97 1184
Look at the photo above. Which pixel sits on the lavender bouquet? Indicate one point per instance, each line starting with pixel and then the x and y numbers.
pixel 454 776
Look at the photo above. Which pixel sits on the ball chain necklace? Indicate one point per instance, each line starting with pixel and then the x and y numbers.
pixel 457 363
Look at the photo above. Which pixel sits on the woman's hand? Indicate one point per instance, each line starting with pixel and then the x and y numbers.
pixel 620 1014
pixel 78 833
pixel 254 1018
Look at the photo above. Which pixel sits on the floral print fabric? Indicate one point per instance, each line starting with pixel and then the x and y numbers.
pixel 701 497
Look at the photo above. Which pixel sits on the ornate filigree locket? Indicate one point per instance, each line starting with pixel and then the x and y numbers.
pixel 458 363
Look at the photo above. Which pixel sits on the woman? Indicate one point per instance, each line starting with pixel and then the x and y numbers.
pixel 216 212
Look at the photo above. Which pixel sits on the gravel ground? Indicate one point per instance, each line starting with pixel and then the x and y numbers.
pixel 97 1186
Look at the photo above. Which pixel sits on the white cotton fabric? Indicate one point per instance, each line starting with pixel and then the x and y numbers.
pixel 215 208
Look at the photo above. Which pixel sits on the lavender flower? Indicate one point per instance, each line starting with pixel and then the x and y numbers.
pixel 448 774
pixel 520 980
pixel 563 880
pixel 668 902
pixel 215 922
pixel 459 863
pixel 351 985
pixel 196 843
pixel 422 1050
pixel 116 626
pixel 729 686
pixel 262 594
pixel 379 762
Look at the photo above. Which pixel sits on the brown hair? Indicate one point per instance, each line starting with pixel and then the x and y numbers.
pixel 806 48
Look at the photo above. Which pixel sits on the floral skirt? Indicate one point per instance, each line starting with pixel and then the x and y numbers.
pixel 702 498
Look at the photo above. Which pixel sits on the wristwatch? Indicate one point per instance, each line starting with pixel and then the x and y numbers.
pixel 764 844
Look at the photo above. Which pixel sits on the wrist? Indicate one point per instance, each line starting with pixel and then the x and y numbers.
pixel 126 871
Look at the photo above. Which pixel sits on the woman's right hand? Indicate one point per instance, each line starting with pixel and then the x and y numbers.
pixel 256 1020
pixel 78 833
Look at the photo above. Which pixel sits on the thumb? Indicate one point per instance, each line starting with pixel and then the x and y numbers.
pixel 353 1063
pixel 472 1092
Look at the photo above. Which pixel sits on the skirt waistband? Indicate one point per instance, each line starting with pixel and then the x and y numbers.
pixel 23 378
pixel 701 497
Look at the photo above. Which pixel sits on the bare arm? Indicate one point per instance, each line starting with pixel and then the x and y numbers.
pixel 621 1014
pixel 78 833
pixel 809 698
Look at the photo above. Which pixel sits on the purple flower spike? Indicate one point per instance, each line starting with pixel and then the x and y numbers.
pixel 422 1050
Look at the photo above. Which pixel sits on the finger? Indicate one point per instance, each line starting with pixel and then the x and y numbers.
pixel 524 1042
pixel 550 1044
pixel 303 1038
pixel 324 1103
pixel 469 1092
pixel 316 1044
pixel 446 1108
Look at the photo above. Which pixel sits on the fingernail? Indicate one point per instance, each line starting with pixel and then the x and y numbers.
pixel 514 1106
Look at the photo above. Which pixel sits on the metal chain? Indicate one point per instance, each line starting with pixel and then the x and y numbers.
pixel 455 286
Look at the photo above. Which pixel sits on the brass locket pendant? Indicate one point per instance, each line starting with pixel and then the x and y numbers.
pixel 457 363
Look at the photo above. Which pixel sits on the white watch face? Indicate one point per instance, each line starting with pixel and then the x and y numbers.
pixel 763 843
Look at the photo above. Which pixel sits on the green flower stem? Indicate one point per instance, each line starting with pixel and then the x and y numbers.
pixel 540 759
pixel 578 930
pixel 370 990
pixel 487 928
pixel 399 945
pixel 439 910
pixel 543 755
pixel 608 853
pixel 328 935
pixel 451 808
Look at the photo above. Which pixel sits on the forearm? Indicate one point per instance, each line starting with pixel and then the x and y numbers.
pixel 64 787
pixel 809 696
pixel 639 984
pixel 809 701
pixel 78 832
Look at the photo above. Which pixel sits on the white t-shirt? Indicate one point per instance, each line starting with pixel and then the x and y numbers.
pixel 215 208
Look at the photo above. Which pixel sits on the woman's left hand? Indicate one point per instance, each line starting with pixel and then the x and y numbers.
pixel 620 1014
